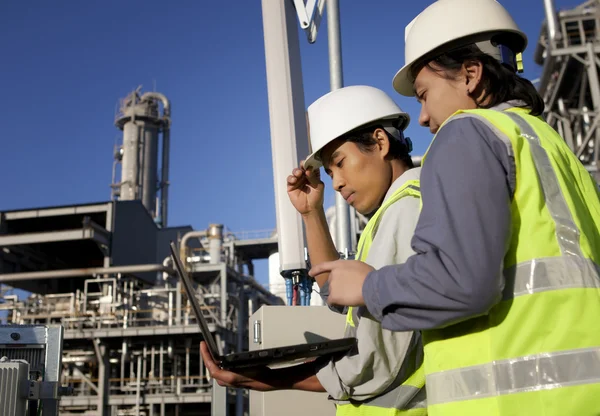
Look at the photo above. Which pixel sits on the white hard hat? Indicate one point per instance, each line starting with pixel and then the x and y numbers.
pixel 447 21
pixel 343 110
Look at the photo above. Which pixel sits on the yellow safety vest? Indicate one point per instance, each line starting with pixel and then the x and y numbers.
pixel 537 352
pixel 387 403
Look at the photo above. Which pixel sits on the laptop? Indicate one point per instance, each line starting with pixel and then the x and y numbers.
pixel 257 358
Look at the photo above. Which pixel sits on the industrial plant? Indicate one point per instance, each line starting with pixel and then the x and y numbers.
pixel 106 328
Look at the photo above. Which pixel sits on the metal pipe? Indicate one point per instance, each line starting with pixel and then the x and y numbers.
pixel 223 296
pixel 170 306
pixel 343 237
pixel 552 22
pixel 85 287
pixel 103 378
pixel 177 375
pixel 178 303
pixel 164 195
pixel 241 320
pixel 249 280
pixel 148 169
pixel 164 190
pixel 187 360
pixel 250 306
pixel 167 262
pixel 158 96
pixel 58 274
pixel 145 361
pixel 161 364
pixel 138 384
pixel 123 361
pixel 215 239
pixel 152 370
pixel 185 239
pixel 334 42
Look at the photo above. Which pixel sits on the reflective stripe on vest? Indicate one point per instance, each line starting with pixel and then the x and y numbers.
pixel 538 350
pixel 402 398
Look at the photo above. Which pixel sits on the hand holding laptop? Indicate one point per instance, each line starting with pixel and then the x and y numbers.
pixel 253 378
pixel 257 358
pixel 297 377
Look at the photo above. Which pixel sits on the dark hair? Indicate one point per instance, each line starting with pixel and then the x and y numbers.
pixel 499 82
pixel 363 139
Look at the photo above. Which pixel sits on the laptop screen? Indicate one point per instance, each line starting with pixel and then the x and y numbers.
pixel 187 284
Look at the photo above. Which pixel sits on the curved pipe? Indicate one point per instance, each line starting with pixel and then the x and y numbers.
pixel 184 240
pixel 168 264
pixel 158 96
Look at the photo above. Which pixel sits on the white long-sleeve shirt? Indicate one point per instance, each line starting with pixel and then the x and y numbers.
pixel 383 357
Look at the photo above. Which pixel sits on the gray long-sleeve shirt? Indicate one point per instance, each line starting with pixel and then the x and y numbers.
pixel 467 184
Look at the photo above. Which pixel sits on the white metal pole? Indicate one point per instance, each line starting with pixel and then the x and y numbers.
pixel 289 138
pixel 343 213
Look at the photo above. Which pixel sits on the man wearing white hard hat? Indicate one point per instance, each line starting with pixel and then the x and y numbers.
pixel 356 134
pixel 505 285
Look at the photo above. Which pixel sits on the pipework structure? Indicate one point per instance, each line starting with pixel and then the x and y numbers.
pixel 103 272
pixel 141 122
pixel 569 50
pixel 131 341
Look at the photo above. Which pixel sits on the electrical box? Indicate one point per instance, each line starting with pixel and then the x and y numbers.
pixel 13 388
pixel 275 326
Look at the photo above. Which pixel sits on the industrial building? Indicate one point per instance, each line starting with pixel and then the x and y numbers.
pixel 102 270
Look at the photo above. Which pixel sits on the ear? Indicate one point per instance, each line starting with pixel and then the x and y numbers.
pixel 473 72
pixel 383 142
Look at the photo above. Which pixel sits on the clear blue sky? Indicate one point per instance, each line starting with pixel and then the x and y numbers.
pixel 64 65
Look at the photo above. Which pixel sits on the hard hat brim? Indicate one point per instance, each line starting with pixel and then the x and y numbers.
pixel 403 82
pixel 312 162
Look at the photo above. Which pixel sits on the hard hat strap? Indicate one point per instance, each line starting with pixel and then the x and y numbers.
pixel 399 135
pixel 508 58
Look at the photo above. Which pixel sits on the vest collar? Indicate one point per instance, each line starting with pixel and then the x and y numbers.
pixel 411 174
pixel 509 104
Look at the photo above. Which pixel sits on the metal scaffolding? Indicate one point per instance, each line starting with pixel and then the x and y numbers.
pixel 569 50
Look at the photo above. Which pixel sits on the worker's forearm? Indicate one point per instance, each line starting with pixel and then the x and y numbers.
pixel 318 239
pixel 299 377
